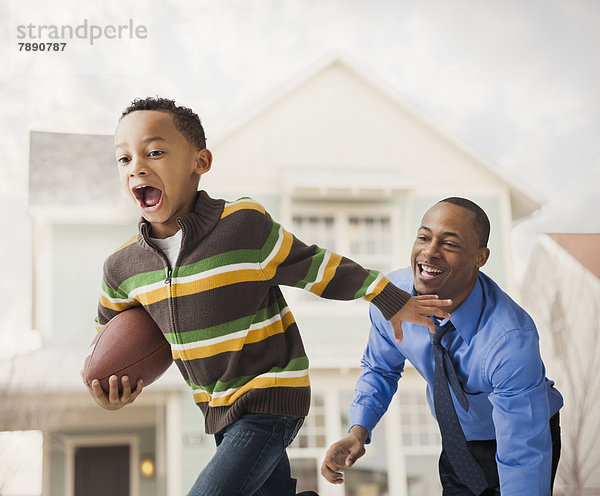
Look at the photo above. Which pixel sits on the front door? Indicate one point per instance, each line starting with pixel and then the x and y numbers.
pixel 102 471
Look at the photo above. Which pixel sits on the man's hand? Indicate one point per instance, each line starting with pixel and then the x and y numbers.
pixel 343 454
pixel 112 400
pixel 418 310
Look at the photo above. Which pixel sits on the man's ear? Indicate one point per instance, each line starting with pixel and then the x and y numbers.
pixel 482 257
pixel 203 161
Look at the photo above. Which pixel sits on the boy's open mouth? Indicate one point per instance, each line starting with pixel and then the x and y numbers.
pixel 148 197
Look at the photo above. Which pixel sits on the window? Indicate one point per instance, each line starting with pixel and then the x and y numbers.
pixel 313 433
pixel 364 234
pixel 419 428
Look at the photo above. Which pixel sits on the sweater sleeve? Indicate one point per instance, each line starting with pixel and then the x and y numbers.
pixel 288 261
pixel 113 300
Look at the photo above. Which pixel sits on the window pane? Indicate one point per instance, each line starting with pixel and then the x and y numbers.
pixel 370 235
pixel 419 428
pixel 315 229
pixel 313 432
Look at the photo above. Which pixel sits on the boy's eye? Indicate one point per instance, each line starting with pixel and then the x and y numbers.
pixel 155 153
pixel 123 160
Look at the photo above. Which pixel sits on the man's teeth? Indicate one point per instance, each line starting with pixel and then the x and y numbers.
pixel 428 268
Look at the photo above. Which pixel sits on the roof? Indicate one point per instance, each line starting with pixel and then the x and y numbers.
pixel 583 247
pixel 524 201
pixel 72 170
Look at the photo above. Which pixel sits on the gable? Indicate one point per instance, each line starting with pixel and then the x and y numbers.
pixel 339 119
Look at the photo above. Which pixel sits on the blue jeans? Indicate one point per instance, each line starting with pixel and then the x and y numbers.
pixel 251 459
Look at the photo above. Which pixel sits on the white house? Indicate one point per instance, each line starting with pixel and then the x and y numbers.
pixel 561 290
pixel 340 159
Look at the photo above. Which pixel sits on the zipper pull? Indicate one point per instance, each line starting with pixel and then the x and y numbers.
pixel 168 279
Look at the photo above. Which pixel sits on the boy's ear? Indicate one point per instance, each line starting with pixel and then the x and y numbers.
pixel 203 161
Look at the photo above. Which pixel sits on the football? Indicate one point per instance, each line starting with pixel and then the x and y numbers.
pixel 130 344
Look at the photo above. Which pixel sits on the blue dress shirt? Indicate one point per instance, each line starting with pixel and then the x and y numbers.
pixel 495 352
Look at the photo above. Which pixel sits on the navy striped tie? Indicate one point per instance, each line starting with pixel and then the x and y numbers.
pixel 465 466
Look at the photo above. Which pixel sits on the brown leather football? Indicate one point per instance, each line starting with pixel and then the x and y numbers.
pixel 130 344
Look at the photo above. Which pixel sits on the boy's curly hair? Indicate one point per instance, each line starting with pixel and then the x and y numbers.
pixel 186 120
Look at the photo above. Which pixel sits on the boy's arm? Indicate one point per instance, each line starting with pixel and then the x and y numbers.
pixel 287 260
pixel 111 303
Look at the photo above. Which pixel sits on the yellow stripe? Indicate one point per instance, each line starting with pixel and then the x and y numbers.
pixel 153 296
pixel 119 307
pixel 126 244
pixel 258 383
pixel 236 344
pixel 245 205
pixel 378 289
pixel 217 281
pixel 284 251
pixel 332 265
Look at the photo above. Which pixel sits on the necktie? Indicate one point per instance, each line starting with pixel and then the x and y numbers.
pixel 466 468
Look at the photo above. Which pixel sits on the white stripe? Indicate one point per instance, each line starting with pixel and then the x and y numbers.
pixel 371 287
pixel 275 249
pixel 216 271
pixel 115 300
pixel 321 271
pixel 204 275
pixel 229 337
pixel 241 200
pixel 284 375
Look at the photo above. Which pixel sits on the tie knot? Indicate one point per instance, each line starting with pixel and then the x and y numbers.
pixel 436 338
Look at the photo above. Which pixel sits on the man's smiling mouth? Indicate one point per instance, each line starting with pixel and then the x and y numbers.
pixel 427 271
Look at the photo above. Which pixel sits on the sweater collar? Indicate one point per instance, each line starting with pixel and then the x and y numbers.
pixel 197 224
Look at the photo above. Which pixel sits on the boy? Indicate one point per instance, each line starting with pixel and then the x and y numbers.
pixel 208 272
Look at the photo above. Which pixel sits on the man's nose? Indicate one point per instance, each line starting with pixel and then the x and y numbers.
pixel 430 249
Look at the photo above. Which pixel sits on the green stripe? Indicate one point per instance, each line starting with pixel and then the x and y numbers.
pixel 139 280
pixel 216 261
pixel 227 327
pixel 270 242
pixel 363 289
pixel 313 270
pixel 295 364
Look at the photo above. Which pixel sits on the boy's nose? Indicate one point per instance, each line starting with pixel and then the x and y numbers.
pixel 137 168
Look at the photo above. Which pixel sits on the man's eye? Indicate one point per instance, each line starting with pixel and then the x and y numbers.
pixel 451 245
pixel 422 238
pixel 155 153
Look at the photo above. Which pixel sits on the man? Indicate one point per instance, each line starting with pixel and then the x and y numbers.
pixel 508 410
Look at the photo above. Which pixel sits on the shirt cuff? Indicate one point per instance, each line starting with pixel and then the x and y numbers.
pixel 364 418
pixel 390 300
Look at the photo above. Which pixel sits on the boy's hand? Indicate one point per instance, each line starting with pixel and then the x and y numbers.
pixel 418 310
pixel 344 453
pixel 112 401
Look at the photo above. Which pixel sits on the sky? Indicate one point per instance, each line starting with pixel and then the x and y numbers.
pixel 515 80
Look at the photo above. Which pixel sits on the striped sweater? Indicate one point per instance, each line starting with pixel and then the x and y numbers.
pixel 232 335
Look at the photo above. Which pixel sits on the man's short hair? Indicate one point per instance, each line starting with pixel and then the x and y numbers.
pixel 481 223
pixel 186 120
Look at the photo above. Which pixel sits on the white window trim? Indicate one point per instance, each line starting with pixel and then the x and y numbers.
pixel 74 442
pixel 343 210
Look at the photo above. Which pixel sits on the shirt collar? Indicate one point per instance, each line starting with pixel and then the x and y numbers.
pixel 466 317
